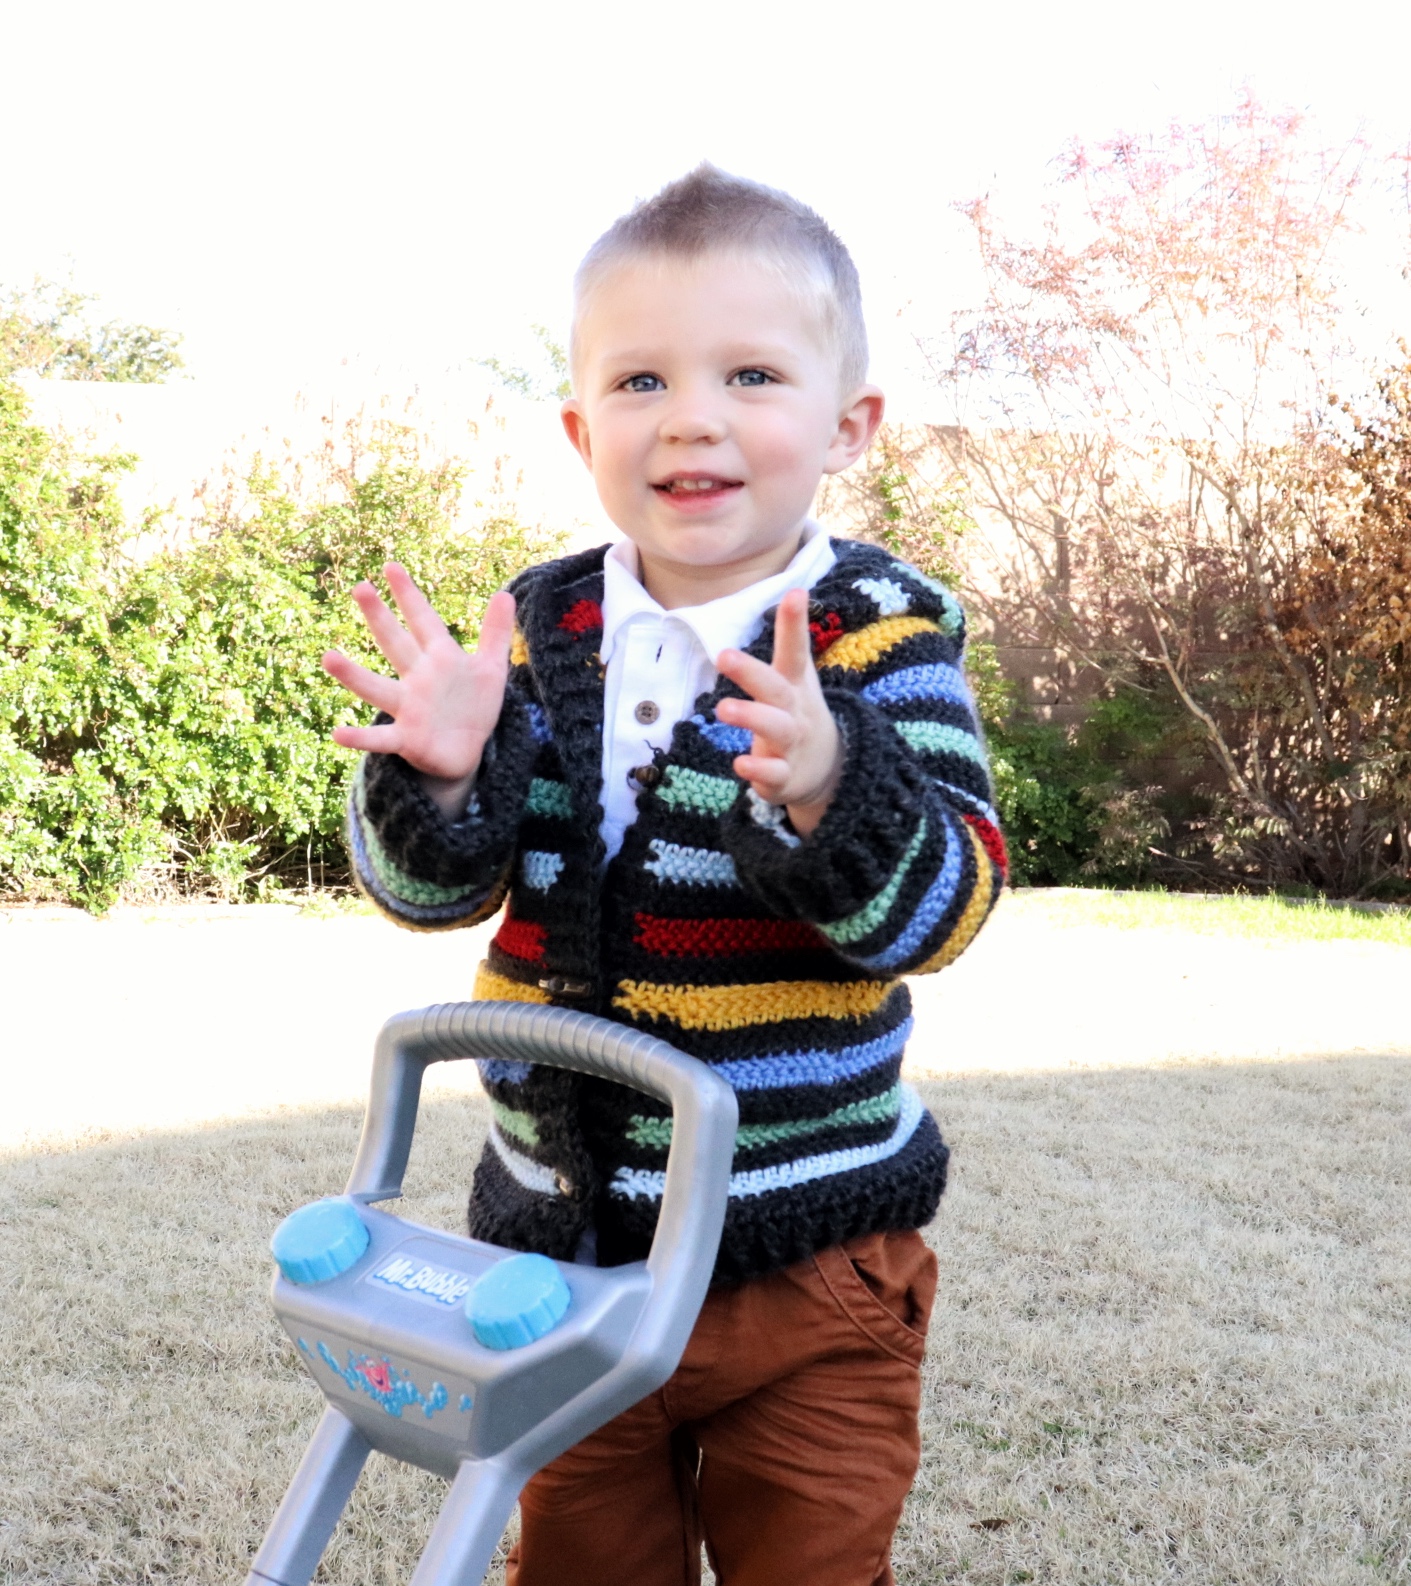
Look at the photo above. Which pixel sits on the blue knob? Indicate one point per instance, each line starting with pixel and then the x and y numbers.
pixel 518 1300
pixel 319 1241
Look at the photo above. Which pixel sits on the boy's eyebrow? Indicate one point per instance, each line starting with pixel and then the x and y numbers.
pixel 730 353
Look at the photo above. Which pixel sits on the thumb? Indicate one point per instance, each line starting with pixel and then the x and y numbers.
pixel 497 628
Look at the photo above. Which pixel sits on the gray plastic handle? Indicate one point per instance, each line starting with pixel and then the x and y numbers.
pixel 680 1265
pixel 704 1113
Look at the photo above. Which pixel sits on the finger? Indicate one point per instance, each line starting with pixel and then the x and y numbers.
pixel 386 739
pixel 497 629
pixel 793 644
pixel 755 677
pixel 780 727
pixel 766 774
pixel 381 692
pixel 417 611
pixel 388 634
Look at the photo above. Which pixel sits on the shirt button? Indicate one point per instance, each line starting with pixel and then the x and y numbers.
pixel 647 712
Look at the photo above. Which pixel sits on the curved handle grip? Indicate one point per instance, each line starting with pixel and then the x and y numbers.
pixel 704 1114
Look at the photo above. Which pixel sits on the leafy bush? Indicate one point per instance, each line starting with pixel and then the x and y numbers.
pixel 45 328
pixel 1079 805
pixel 1084 805
pixel 165 722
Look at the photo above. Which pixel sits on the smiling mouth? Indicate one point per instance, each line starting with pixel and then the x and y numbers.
pixel 695 484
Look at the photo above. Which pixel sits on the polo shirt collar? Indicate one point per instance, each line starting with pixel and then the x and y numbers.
pixel 732 620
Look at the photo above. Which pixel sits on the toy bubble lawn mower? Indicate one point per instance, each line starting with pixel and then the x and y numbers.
pixel 472 1361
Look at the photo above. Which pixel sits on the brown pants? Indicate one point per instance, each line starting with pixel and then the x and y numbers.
pixel 786 1440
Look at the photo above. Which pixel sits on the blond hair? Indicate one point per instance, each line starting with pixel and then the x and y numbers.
pixel 708 210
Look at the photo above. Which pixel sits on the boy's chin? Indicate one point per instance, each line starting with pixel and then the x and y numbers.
pixel 706 544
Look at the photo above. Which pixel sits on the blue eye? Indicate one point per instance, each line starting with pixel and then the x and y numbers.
pixel 752 377
pixel 643 382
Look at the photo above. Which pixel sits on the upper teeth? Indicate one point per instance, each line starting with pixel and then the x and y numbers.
pixel 694 484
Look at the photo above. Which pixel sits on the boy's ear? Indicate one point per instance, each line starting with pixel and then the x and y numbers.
pixel 857 425
pixel 575 426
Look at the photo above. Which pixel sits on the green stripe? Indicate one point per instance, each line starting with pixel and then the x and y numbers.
pixel 697 792
pixel 549 798
pixel 952 619
pixel 867 919
pixel 519 1124
pixel 936 737
pixel 750 1136
pixel 393 878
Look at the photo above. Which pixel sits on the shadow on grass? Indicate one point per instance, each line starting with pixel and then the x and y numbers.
pixel 1173 1339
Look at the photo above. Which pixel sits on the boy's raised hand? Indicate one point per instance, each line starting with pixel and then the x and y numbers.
pixel 444 701
pixel 797 754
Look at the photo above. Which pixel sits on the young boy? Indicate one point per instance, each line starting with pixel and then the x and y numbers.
pixel 728 775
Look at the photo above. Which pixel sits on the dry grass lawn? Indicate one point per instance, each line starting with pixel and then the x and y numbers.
pixel 1173 1341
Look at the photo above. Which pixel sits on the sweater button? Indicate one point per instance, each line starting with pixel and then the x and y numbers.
pixel 647 712
pixel 645 776
pixel 565 1184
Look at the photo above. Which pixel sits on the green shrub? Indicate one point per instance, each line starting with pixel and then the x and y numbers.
pixel 165 721
pixel 1081 805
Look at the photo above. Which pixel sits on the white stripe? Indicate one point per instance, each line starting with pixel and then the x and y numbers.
pixel 636 1183
pixel 533 1175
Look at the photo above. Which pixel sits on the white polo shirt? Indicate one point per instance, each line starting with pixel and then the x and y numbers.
pixel 658 662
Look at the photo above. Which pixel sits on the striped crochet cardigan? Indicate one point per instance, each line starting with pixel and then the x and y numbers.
pixel 775 960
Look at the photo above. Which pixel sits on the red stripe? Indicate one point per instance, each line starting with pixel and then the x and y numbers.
pixel 720 938
pixel 521 939
pixel 826 632
pixel 582 617
pixel 991 840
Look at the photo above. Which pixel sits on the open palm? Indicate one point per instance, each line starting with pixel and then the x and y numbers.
pixel 444 701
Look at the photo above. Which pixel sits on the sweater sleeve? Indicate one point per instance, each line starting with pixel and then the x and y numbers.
pixel 908 859
pixel 428 872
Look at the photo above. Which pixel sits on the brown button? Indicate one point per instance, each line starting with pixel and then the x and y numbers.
pixel 647 712
pixel 566 986
pixel 647 776
pixel 566 1185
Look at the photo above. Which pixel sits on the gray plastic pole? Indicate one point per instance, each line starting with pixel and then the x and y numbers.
pixel 470 1525
pixel 316 1498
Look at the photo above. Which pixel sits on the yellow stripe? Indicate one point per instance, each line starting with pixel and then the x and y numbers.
pixel 490 987
pixel 975 911
pixel 519 650
pixel 858 650
pixel 734 1007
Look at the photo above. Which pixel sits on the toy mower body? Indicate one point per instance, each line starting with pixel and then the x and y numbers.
pixel 480 1363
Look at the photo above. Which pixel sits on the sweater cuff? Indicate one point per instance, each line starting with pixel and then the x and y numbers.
pixel 863 835
pixel 413 835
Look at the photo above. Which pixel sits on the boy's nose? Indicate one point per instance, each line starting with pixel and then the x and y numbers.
pixel 692 419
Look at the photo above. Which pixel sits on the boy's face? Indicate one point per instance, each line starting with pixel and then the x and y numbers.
pixel 708 410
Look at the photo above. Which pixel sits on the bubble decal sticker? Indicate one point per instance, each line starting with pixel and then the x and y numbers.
pixel 387 1387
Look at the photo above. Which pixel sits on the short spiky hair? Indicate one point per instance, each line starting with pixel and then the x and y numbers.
pixel 708 209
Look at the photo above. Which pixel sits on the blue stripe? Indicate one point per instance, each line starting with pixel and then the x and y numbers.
pixel 969 802
pixel 539 868
pixel 538 723
pixel 503 1070
pixel 645 1184
pixel 937 681
pixel 819 1067
pixel 939 897
pixel 730 740
pixel 695 867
